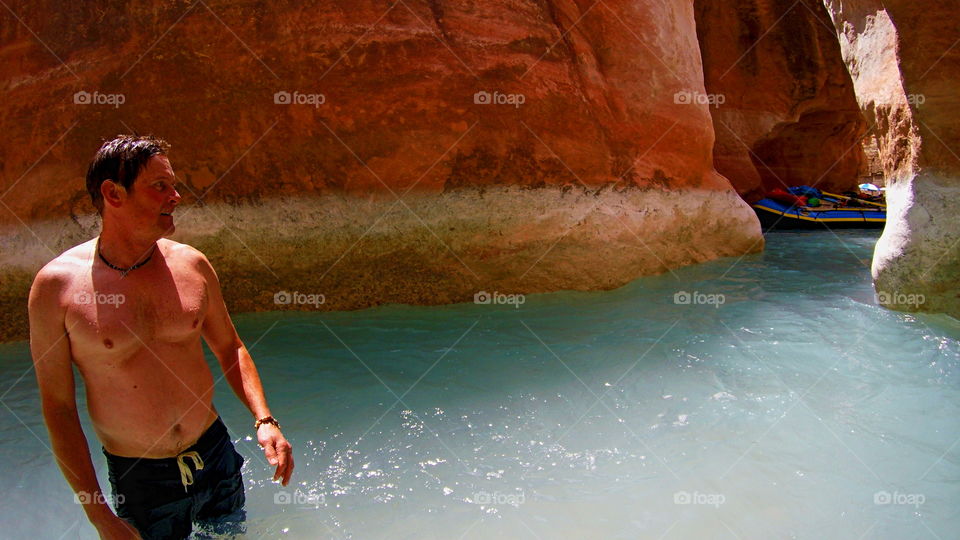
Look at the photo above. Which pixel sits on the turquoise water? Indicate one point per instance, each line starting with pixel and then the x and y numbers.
pixel 797 408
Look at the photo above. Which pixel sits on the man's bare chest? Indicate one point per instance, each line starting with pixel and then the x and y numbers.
pixel 112 316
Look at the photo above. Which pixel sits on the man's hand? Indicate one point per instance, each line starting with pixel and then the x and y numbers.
pixel 114 528
pixel 278 451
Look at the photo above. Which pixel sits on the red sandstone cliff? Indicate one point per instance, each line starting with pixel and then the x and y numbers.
pixel 785 110
pixel 417 152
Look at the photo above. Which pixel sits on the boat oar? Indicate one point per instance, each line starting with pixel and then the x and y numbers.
pixel 881 205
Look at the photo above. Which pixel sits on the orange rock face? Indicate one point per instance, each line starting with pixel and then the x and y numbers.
pixel 418 151
pixel 785 113
pixel 378 96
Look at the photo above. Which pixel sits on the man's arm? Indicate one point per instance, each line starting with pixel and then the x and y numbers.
pixel 240 371
pixel 50 349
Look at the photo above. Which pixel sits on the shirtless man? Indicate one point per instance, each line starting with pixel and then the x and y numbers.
pixel 128 309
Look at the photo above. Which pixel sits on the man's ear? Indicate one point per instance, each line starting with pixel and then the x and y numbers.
pixel 113 193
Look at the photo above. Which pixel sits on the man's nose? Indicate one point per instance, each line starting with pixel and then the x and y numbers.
pixel 175 198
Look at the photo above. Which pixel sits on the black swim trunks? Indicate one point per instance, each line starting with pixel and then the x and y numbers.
pixel 162 498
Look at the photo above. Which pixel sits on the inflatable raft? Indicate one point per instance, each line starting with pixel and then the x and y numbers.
pixel 804 207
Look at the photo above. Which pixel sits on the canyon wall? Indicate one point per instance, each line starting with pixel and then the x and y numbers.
pixel 373 152
pixel 783 104
pixel 905 62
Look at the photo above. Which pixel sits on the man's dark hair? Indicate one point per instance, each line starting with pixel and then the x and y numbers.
pixel 121 161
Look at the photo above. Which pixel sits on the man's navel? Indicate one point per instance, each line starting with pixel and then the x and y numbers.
pixel 108 343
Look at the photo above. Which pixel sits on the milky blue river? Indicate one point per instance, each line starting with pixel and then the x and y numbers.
pixel 755 398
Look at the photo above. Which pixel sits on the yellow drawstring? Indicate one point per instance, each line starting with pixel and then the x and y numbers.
pixel 186 476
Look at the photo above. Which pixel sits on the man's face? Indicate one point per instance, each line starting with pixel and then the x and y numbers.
pixel 149 204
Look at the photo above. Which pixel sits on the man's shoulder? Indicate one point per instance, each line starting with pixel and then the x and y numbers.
pixel 58 274
pixel 180 252
pixel 65 266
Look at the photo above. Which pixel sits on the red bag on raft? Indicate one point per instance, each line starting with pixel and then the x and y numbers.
pixel 786 197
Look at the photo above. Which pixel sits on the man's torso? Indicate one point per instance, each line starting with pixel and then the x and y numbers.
pixel 136 342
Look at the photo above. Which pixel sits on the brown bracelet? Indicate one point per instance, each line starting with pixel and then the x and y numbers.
pixel 266 420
